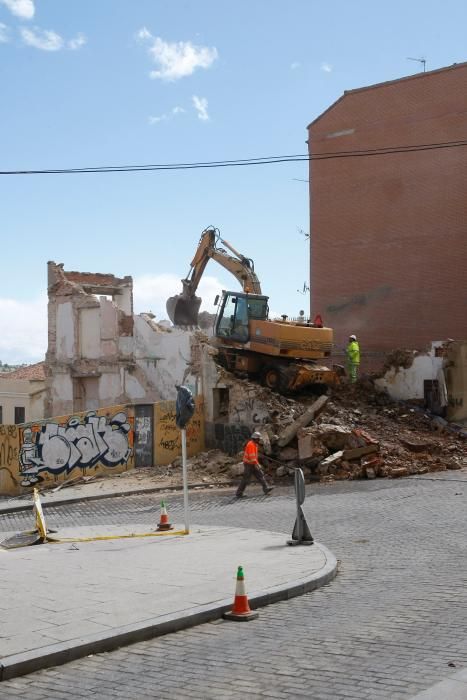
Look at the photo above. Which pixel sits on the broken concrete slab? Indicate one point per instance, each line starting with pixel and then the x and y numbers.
pixel 335 437
pixel 329 461
pixel 309 446
pixel 305 419
pixel 357 452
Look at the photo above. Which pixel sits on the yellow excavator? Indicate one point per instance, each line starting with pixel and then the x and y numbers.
pixel 282 353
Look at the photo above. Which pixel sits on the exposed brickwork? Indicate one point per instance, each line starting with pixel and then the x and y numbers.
pixel 96 279
pixel 125 324
pixel 389 233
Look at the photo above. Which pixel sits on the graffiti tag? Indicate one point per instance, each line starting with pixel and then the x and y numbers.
pixel 59 448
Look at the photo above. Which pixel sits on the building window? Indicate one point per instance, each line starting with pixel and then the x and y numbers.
pixel 20 414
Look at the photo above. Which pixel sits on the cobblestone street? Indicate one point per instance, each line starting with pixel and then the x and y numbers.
pixel 390 625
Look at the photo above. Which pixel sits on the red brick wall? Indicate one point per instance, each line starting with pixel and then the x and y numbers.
pixel 389 233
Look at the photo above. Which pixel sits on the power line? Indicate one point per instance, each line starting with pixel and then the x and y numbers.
pixel 267 160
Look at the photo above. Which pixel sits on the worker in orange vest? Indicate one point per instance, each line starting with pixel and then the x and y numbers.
pixel 251 467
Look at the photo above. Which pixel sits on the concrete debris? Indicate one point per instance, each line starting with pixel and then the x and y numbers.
pixel 288 454
pixel 237 469
pixel 356 433
pixel 357 452
pixel 416 445
pixel 329 461
pixel 398 471
pixel 305 419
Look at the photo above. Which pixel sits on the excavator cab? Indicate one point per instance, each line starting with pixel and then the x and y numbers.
pixel 235 311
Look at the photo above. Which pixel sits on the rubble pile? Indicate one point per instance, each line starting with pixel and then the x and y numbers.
pixel 212 466
pixel 357 432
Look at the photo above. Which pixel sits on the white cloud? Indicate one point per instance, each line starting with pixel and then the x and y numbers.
pixel 326 67
pixel 77 42
pixel 177 59
pixel 44 39
pixel 156 120
pixel 163 117
pixel 4 33
pixel 150 293
pixel 20 8
pixel 23 330
pixel 144 34
pixel 201 106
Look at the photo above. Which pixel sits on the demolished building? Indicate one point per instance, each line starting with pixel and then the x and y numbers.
pixel 100 353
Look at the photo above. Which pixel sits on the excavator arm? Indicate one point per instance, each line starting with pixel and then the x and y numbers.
pixel 183 309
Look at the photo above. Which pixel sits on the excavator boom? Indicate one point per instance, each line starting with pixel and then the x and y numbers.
pixel 183 308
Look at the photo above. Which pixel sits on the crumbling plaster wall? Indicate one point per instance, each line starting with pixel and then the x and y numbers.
pixel 232 407
pixel 408 383
pixel 100 354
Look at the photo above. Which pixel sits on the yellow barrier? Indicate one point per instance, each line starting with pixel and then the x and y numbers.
pixel 54 540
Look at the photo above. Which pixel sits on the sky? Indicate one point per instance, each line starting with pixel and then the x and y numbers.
pixel 86 83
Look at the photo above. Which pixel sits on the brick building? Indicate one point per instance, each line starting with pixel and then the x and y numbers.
pixel 389 232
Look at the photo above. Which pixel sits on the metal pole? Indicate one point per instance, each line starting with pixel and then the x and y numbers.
pixel 298 496
pixel 185 484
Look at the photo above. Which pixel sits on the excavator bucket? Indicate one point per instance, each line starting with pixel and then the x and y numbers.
pixel 183 310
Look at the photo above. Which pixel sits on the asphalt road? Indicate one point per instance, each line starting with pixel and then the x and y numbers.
pixel 391 624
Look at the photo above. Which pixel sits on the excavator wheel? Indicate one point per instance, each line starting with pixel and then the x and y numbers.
pixel 275 378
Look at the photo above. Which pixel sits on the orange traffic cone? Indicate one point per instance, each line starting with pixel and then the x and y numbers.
pixel 164 519
pixel 241 608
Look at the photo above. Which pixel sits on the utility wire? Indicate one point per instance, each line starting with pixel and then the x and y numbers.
pixel 267 160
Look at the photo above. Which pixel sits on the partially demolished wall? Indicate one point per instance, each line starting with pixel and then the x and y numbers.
pixel 100 353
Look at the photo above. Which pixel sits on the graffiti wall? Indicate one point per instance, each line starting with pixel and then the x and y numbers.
pixel 9 452
pixel 100 442
pixel 91 442
pixel 57 449
pixel 167 437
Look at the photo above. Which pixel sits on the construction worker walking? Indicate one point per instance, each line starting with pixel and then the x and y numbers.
pixel 252 467
pixel 353 358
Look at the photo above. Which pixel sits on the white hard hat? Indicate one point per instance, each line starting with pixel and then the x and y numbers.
pixel 352 337
pixel 256 436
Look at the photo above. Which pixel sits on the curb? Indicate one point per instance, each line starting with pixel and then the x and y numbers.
pixel 453 687
pixel 116 494
pixel 61 653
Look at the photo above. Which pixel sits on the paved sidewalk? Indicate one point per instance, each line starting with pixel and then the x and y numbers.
pixel 59 602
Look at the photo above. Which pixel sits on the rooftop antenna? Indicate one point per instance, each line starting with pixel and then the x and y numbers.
pixel 419 60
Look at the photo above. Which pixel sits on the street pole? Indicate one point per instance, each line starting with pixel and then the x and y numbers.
pixel 184 409
pixel 185 484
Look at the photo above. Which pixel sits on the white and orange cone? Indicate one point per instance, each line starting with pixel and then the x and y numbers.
pixel 164 519
pixel 241 607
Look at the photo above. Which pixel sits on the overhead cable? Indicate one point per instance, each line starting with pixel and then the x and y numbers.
pixel 267 160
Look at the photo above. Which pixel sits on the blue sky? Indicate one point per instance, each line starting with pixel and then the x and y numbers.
pixel 108 82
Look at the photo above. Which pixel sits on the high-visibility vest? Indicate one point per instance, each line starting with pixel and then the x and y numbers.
pixel 250 455
pixel 353 352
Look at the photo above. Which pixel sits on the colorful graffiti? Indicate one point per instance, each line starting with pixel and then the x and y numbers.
pixel 54 448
